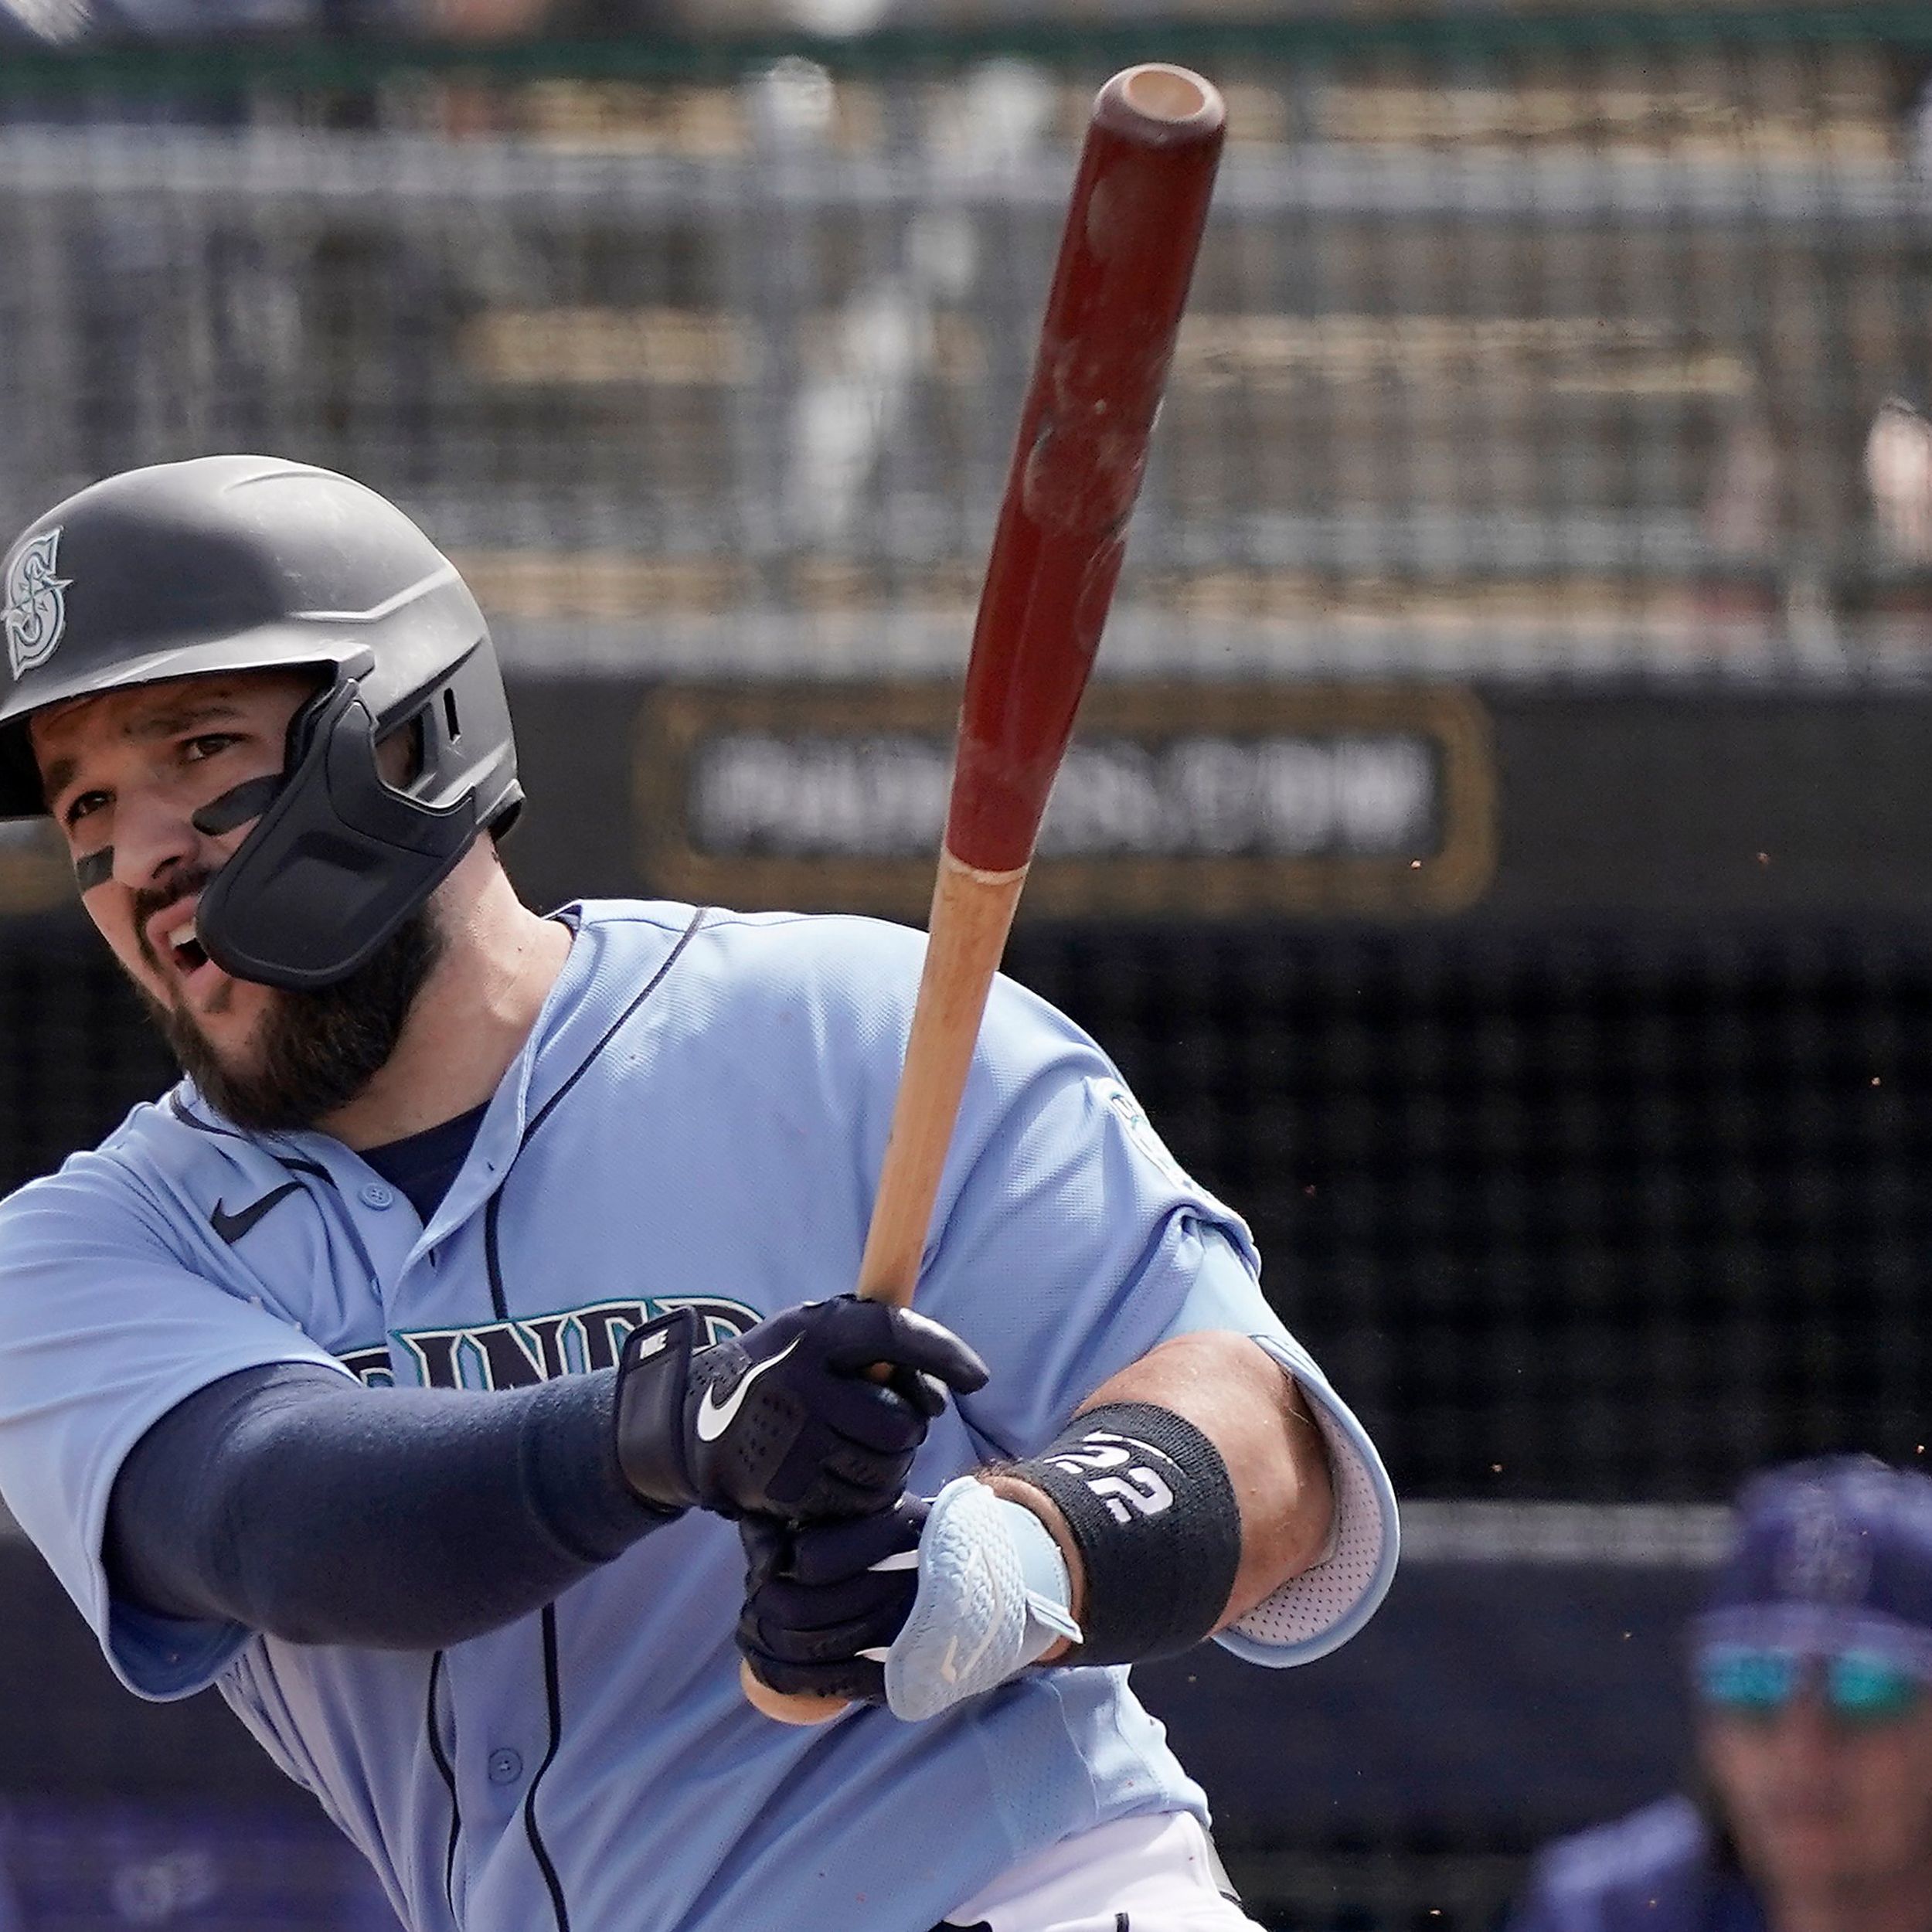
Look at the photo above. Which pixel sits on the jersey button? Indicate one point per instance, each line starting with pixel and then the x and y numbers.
pixel 505 1767
pixel 375 1194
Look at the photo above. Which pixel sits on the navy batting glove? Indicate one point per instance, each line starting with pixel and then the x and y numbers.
pixel 823 1602
pixel 786 1420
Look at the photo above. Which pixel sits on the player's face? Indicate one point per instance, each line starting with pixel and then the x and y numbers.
pixel 124 773
pixel 1823 1809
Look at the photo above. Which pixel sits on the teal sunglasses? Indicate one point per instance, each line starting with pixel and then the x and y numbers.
pixel 1858 1687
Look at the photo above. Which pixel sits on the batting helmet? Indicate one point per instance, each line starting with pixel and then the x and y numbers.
pixel 246 563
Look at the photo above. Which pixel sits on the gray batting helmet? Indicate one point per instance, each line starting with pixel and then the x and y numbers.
pixel 249 564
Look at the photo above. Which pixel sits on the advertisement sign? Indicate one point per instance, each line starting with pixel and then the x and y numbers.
pixel 1180 799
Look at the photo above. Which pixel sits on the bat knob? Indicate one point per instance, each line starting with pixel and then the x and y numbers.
pixel 787 1707
pixel 1162 105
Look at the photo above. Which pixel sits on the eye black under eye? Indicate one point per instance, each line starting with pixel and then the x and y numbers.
pixel 93 868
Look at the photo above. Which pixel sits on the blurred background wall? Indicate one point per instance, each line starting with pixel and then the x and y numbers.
pixel 1499 848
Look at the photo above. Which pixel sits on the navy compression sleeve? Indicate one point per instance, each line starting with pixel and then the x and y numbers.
pixel 293 1501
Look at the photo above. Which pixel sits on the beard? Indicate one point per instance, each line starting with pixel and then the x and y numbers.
pixel 314 1051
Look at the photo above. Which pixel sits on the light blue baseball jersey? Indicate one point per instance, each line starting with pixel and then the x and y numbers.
pixel 699 1115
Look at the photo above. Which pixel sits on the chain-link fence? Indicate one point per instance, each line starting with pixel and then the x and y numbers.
pixel 1544 349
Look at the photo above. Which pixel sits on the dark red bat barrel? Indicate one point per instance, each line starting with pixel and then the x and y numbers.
pixel 1133 226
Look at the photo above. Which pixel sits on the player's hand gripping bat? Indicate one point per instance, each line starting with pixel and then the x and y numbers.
pixel 1133 226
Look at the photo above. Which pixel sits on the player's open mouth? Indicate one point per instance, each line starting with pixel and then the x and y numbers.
pixel 181 945
pixel 185 949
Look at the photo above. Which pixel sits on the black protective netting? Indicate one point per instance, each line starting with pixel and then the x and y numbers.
pixel 1569 1217
pixel 78 1055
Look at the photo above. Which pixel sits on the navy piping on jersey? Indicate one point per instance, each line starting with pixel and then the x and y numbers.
pixel 499 1306
pixel 188 1118
pixel 447 1772
pixel 235 1227
pixel 553 1700
pixel 294 1162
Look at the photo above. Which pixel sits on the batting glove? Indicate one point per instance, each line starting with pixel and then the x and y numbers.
pixel 918 1608
pixel 785 1421
pixel 823 1602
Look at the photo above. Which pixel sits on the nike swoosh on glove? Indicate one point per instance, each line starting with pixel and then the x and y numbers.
pixel 785 1421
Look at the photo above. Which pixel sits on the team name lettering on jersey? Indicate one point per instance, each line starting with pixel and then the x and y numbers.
pixel 537 1347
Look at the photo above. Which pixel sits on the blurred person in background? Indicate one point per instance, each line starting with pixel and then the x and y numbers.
pixel 1811 1664
pixel 1898 472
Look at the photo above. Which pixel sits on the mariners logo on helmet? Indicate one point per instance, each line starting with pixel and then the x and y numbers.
pixel 36 611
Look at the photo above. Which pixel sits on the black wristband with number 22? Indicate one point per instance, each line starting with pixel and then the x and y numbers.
pixel 1152 1513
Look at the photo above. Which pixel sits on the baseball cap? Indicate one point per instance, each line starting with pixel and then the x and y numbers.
pixel 1830 1556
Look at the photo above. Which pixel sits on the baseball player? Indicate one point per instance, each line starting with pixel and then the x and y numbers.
pixel 455 1367
pixel 1811 1677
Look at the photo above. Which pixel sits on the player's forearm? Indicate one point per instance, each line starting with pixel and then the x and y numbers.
pixel 1259 1423
pixel 292 1501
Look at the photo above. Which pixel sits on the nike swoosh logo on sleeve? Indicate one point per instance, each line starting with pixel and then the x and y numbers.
pixel 714 1416
pixel 232 1227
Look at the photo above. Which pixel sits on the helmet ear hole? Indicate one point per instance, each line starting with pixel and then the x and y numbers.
pixel 399 755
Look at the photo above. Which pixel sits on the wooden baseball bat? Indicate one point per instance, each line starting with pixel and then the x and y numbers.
pixel 1133 225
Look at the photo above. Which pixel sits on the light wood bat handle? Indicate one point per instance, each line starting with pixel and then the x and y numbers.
pixel 972 913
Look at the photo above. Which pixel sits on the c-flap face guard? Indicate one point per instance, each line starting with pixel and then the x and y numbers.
pixel 337 861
